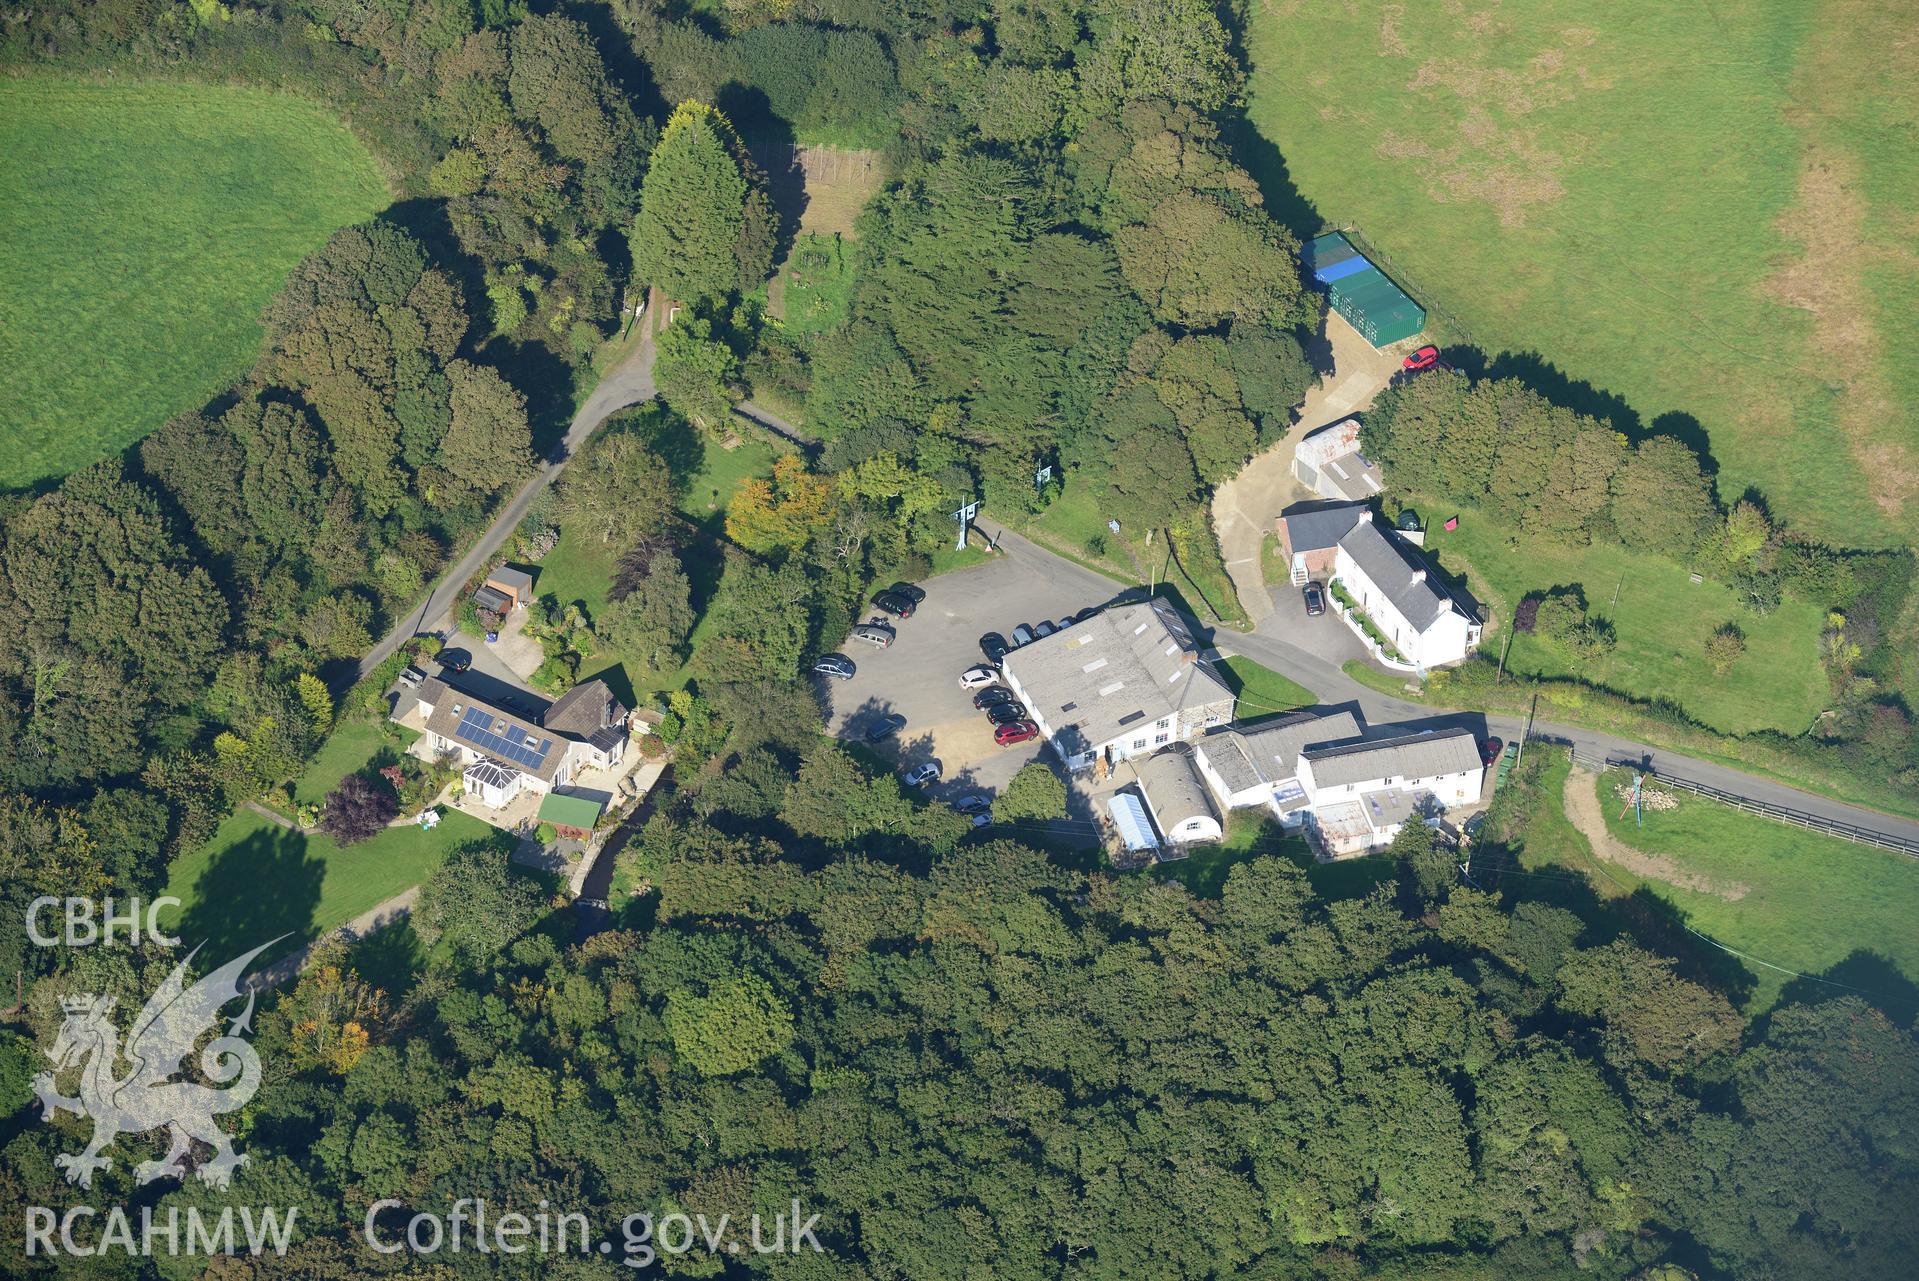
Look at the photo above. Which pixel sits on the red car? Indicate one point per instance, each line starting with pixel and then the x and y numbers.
pixel 1424 358
pixel 1489 751
pixel 1017 732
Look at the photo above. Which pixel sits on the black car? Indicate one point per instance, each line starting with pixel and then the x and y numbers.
pixel 455 660
pixel 971 803
pixel 885 727
pixel 893 603
pixel 838 666
pixel 1006 714
pixel 1315 598
pixel 915 594
pixel 994 646
pixel 992 696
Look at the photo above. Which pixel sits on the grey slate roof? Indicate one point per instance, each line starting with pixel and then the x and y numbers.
pixel 492 598
pixel 1409 756
pixel 1174 788
pixel 1128 666
pixel 1400 576
pixel 584 710
pixel 1312 527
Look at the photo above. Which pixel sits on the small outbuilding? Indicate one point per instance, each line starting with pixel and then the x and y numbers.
pixel 571 816
pixel 515 587
pixel 1176 795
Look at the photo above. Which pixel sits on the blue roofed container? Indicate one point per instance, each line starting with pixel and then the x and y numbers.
pixel 1361 292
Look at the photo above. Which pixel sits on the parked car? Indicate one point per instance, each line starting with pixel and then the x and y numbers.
pixel 994 646
pixel 1424 358
pixel 1043 628
pixel 1315 596
pixel 972 803
pixel 1017 732
pixel 893 603
pixel 1489 750
pixel 877 634
pixel 992 696
pixel 1085 614
pixel 885 727
pixel 915 594
pixel 838 666
pixel 1469 830
pixel 1005 713
pixel 921 775
pixel 979 677
pixel 455 660
pixel 1022 635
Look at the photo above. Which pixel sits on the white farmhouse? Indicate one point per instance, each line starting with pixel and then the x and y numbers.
pixel 1123 683
pixel 1424 619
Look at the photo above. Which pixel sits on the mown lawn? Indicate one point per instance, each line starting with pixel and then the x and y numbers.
pixel 1662 620
pixel 1796 899
pixel 1689 216
pixel 146 226
pixel 256 880
pixel 352 745
pixel 1261 691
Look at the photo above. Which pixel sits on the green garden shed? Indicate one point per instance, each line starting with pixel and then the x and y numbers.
pixel 574 816
pixel 1359 291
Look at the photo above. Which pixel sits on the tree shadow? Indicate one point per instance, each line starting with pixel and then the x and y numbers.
pixel 1561 388
pixel 1689 432
pixel 1258 156
pixel 1867 975
pixel 256 889
pixel 389 959
pixel 547 382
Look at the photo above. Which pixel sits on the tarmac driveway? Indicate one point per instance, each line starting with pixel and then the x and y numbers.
pixel 918 675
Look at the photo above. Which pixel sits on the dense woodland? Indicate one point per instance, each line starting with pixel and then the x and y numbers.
pixel 970 1056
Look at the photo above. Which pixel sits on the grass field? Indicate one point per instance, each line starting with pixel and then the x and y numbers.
pixel 1662 619
pixel 1793 898
pixel 146 226
pixel 1693 217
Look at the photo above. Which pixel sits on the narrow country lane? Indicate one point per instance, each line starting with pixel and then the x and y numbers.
pixel 626 384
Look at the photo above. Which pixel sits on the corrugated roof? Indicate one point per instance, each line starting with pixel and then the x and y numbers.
pixel 1425 755
pixel 1129 816
pixel 1275 748
pixel 1174 788
pixel 1125 666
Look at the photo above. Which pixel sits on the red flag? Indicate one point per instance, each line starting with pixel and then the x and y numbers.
pixel 1452 523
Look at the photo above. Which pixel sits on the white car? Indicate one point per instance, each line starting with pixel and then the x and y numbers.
pixel 921 775
pixel 978 677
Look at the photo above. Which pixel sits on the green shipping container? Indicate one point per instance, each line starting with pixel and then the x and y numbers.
pixel 1359 291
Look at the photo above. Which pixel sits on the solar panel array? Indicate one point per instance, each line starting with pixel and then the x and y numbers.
pixel 516 745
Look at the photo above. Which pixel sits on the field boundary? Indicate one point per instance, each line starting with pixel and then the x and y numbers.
pixel 1765 809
